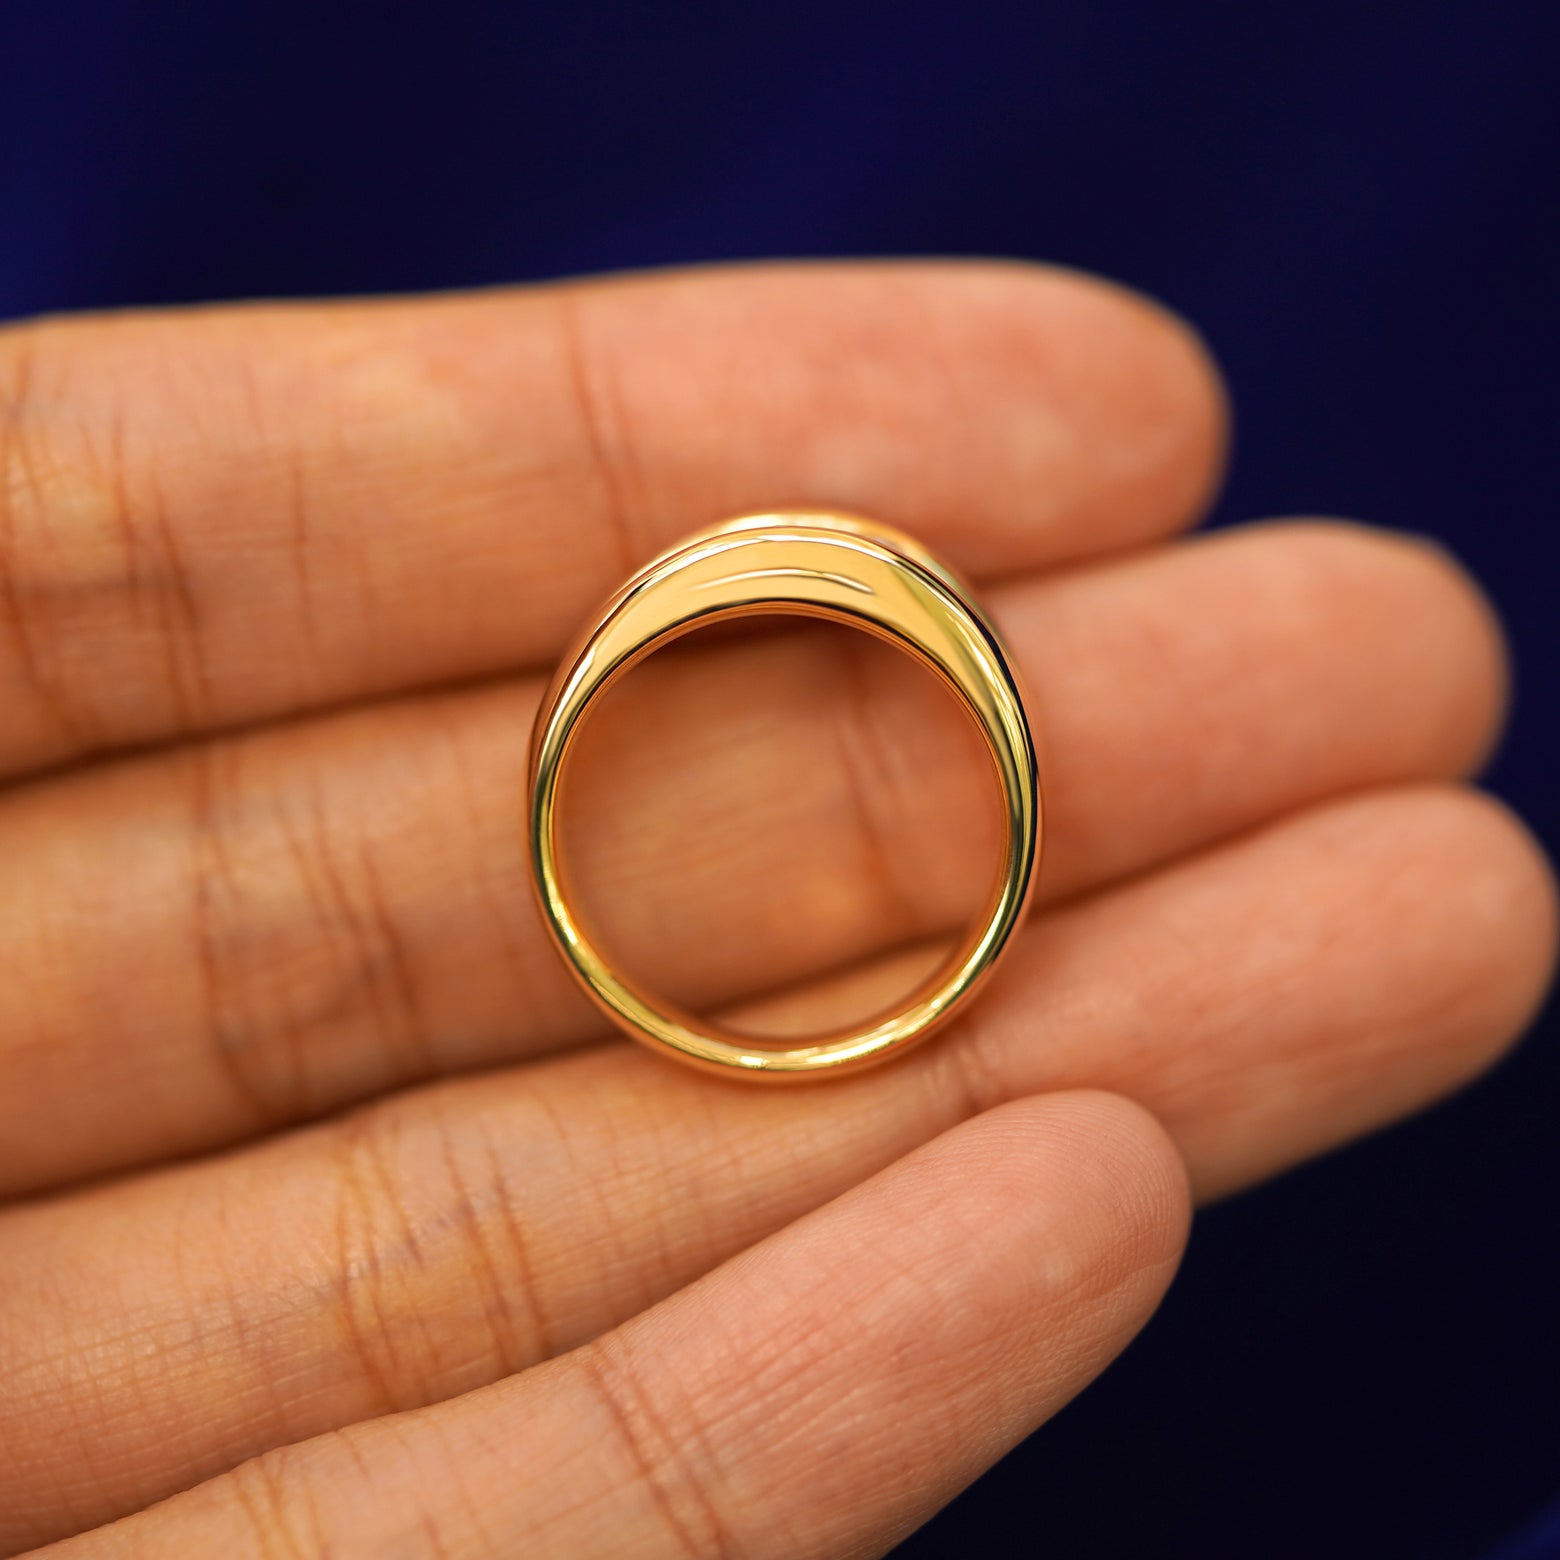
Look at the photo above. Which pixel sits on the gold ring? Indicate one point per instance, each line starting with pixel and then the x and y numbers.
pixel 850 571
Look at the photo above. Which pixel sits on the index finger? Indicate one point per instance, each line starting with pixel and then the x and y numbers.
pixel 220 516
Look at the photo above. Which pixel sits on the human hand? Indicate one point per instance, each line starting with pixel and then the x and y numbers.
pixel 278 591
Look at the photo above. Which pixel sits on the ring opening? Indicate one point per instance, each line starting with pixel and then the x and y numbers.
pixel 783 826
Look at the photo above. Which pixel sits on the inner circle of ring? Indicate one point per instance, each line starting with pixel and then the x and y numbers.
pixel 843 569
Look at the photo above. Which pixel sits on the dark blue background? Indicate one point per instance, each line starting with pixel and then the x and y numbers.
pixel 1357 203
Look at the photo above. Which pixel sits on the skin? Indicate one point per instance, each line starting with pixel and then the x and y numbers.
pixel 335 1223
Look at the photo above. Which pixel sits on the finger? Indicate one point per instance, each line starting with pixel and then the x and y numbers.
pixel 254 936
pixel 220 516
pixel 1265 1001
pixel 820 1395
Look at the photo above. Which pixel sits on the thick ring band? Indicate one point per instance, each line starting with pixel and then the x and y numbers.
pixel 830 566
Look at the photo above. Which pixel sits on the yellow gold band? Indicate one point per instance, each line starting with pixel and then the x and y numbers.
pixel 830 566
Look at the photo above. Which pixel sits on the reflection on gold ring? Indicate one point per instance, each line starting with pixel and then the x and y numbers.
pixel 832 566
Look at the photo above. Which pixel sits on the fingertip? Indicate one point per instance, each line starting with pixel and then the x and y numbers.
pixel 1488 670
pixel 1093 1204
pixel 1395 611
pixel 1501 964
pixel 1421 923
pixel 1143 381
pixel 1182 370
pixel 1113 1163
pixel 1455 613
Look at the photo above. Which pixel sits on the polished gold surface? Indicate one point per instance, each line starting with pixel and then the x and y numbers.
pixel 850 571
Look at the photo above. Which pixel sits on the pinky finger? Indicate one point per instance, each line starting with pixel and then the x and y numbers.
pixel 821 1394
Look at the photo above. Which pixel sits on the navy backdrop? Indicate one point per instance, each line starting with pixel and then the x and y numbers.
pixel 1357 202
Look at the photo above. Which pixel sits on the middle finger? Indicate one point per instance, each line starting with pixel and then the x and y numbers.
pixel 289 921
